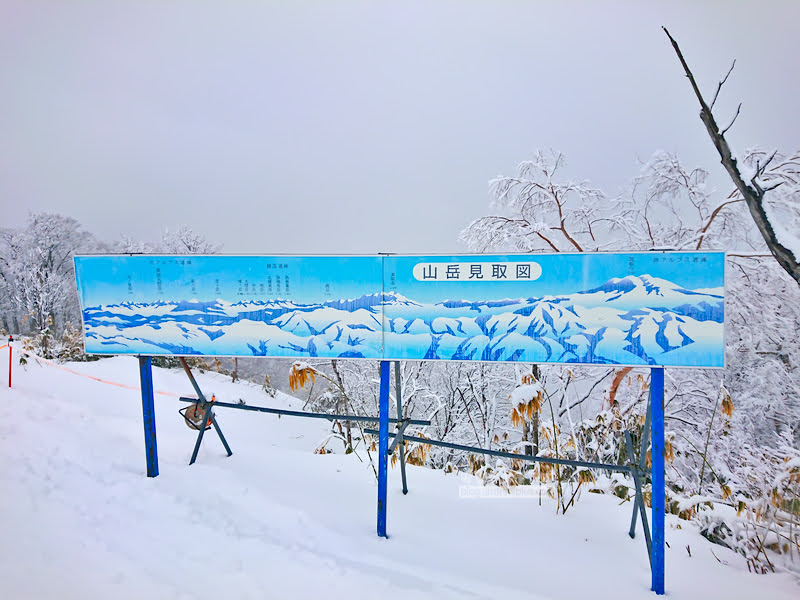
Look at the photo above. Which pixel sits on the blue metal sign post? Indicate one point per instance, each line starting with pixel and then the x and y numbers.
pixel 383 447
pixel 657 462
pixel 149 414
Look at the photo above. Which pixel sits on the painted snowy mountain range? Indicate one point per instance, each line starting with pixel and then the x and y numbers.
pixel 633 320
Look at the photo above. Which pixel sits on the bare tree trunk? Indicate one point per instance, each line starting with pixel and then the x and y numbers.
pixel 753 194
pixel 343 407
pixel 525 434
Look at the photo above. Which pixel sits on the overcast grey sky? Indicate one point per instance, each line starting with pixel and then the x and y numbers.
pixel 344 126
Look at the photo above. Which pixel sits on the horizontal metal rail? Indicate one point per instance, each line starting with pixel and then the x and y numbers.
pixel 527 457
pixel 301 413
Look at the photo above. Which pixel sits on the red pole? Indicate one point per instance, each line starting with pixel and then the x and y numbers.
pixel 10 339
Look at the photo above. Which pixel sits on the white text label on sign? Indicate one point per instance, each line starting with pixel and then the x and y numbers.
pixel 477 271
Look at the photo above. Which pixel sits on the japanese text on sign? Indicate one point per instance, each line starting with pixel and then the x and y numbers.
pixel 477 271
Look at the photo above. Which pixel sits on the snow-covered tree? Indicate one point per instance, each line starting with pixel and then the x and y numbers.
pixel 538 210
pixel 184 240
pixel 36 272
pixel 717 452
pixel 187 241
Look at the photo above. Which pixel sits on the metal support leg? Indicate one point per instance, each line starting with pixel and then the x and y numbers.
pixel 149 414
pixel 638 505
pixel 657 459
pixel 206 416
pixel 200 433
pixel 188 372
pixel 383 447
pixel 638 502
pixel 219 433
pixel 399 438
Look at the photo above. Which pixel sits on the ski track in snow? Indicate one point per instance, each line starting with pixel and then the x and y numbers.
pixel 81 520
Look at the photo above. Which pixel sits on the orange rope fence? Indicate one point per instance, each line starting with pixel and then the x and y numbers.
pixel 114 383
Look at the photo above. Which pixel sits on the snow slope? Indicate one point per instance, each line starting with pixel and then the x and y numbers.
pixel 79 519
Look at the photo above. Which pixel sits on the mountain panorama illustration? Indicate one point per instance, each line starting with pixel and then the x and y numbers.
pixel 606 324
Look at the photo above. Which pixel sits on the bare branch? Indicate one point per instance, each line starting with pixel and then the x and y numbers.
pixel 587 395
pixel 769 188
pixel 570 239
pixel 711 220
pixel 738 108
pixel 766 162
pixel 721 83
pixel 551 244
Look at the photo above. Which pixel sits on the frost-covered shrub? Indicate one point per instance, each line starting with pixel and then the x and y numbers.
pixel 66 346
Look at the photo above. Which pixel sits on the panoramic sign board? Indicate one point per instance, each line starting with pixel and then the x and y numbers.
pixel 647 308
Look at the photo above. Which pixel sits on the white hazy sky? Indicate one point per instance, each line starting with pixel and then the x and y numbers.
pixel 348 126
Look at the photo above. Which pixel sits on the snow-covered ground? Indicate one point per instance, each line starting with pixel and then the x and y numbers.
pixel 79 518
